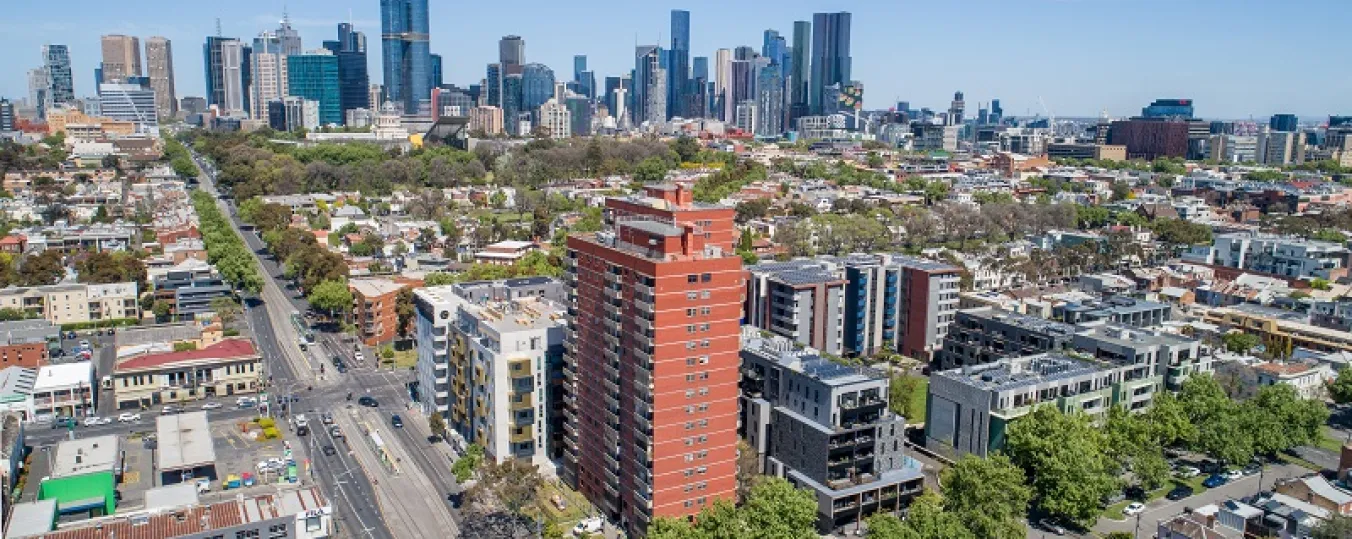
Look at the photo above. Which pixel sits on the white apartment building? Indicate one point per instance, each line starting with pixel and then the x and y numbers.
pixel 71 303
pixel 485 366
pixel 65 390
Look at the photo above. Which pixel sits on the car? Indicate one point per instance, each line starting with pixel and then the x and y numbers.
pixel 84 343
pixel 63 422
pixel 1215 480
pixel 1179 492
pixel 1252 468
pixel 203 485
pixel 171 410
pixel 1187 472
pixel 211 406
pixel 329 451
pixel 396 421
pixel 337 360
pixel 70 334
pixel 455 498
pixel 359 357
pixel 341 368
pixel 433 439
pixel 1134 508
pixel 326 418
pixel 588 525
pixel 1051 526
pixel 335 432
pixel 128 417
pixel 96 420
pixel 111 332
pixel 368 402
pixel 1233 475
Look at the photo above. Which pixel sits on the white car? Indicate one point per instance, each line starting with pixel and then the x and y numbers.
pixel 359 357
pixel 128 417
pixel 1188 472
pixel 211 406
pixel 1134 508
pixel 1234 475
pixel 95 420
pixel 588 525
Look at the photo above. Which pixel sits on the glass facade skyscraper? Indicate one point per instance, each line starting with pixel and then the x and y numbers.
pixel 494 82
pixel 798 74
pixel 537 86
pixel 315 78
pixel 60 85
pixel 678 64
pixel 354 82
pixel 830 55
pixel 407 61
pixel 1168 108
pixel 436 71
pixel 511 104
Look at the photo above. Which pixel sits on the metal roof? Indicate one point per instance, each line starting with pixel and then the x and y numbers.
pixel 184 441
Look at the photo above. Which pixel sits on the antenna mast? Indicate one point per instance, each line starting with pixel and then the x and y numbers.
pixel 218 27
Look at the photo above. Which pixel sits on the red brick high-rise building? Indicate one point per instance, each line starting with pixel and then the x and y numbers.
pixel 651 361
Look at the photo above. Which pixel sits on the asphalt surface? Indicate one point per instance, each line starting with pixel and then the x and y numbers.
pixel 323 389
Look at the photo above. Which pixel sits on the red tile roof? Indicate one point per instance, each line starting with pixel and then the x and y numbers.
pixel 10 240
pixel 226 349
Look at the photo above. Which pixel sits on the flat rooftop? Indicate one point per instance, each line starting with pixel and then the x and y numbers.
pixel 1021 371
pixel 64 376
pixel 184 441
pixel 518 314
pixel 1127 336
pixel 1031 323
pixel 807 361
pixel 374 287
pixel 84 456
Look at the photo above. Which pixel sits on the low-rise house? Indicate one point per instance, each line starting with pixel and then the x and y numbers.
pixel 1317 490
pixel 505 253
pixel 65 390
pixel 228 367
pixel 16 391
pixel 26 343
pixel 1307 377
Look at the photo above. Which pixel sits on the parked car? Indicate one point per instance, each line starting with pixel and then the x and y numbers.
pixel 368 402
pixel 1252 468
pixel 1187 472
pixel 128 417
pixel 1051 526
pixel 95 420
pixel 70 334
pixel 1232 475
pixel 1215 480
pixel 1134 508
pixel 211 406
pixel 171 410
pixel 588 525
pixel 434 439
pixel 63 422
pixel 1179 492
pixel 396 421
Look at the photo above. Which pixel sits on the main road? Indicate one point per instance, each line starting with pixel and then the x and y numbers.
pixel 320 388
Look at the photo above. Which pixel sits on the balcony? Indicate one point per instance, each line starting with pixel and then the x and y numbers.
pixel 522 401
pixel 522 434
pixel 641 355
pixel 520 368
pixel 612 388
pixel 613 369
pixel 644 324
pixel 644 306
pixel 644 289
pixel 614 293
pixel 860 403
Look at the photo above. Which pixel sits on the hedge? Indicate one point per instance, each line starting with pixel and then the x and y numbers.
pixel 113 322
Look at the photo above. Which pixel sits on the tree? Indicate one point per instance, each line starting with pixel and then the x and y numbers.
pixel 902 392
pixel 10 314
pixel 161 309
pixel 1065 455
pixel 106 267
pixel 226 308
pixel 404 309
pixel 1340 389
pixel 1336 526
pixel 686 148
pixel 513 485
pixel 989 495
pixel 437 424
pixel 926 519
pixel 1320 284
pixel 875 160
pixel 774 509
pixel 1240 342
pixel 331 296
pixel 651 170
pixel 41 269
pixel 748 468
pixel 463 468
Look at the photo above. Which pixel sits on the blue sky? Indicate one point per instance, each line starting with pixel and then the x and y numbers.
pixel 1236 58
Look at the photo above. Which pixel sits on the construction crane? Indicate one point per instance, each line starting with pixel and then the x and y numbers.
pixel 1051 118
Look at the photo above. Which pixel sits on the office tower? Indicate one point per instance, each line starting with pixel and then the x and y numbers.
pixel 678 64
pixel 292 113
pixel 845 445
pixel 650 362
pixel 1280 148
pixel 744 53
pixel 579 65
pixel 587 85
pixel 723 103
pixel 121 58
pixel 774 47
pixel 130 103
pixel 314 76
pixel 436 71
pixel 493 96
pixel 375 94
pixel 224 59
pixel 511 51
pixel 580 111
pixel 554 116
pixel 1284 122
pixel 745 116
pixel 769 102
pixel 192 104
pixel 1169 108
pixel 700 67
pixel 288 39
pixel 798 77
pixel 406 60
pixel 353 79
pixel 160 68
pixel 60 86
pixel 450 101
pixel 537 85
pixel 955 110
pixel 743 87
pixel 511 104
pixel 697 98
pixel 39 86
pixel 830 56
pixel 268 69
pixel 612 83
pixel 6 115
pixel 650 86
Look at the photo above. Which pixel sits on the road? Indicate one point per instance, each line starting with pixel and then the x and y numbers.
pixel 322 389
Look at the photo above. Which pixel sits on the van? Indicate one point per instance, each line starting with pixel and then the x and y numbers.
pixel 107 382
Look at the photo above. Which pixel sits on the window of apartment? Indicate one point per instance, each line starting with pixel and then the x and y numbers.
pixel 705 311
pixel 700 500
pixel 690 328
pixel 689 378
pixel 704 327
pixel 690 362
pixel 704 343
pixel 704 294
pixel 703 407
pixel 692 278
pixel 692 295
pixel 706 277
pixel 690 312
pixel 703 423
pixel 689 393
pixel 703 391
pixel 704 360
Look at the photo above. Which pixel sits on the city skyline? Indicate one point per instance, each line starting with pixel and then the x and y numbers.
pixel 1118 75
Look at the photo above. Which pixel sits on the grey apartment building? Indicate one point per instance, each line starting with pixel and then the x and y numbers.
pixel 984 335
pixel 1115 309
pixel 1175 357
pixel 802 300
pixel 970 408
pixel 825 427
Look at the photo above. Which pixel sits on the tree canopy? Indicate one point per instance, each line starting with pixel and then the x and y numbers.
pixel 774 510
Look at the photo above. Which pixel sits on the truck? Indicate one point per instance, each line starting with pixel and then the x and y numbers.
pixel 301 424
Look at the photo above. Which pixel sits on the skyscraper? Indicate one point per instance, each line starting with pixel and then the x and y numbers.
pixel 798 76
pixel 6 115
pixel 678 64
pixel 955 110
pixel 743 87
pixel 407 61
pixel 1169 108
pixel 224 61
pixel 314 77
pixel 512 50
pixel 830 55
pixel 650 364
pixel 1278 122
pixel 436 71
pixel 129 102
pixel 697 98
pixel 493 94
pixel 646 59
pixel 60 87
pixel 160 68
pixel 612 84
pixel 39 85
pixel 579 65
pixel 997 113
pixel 537 85
pixel 121 58
pixel 775 48
pixel 268 70
pixel 511 104
pixel 353 80
pixel 288 38
pixel 769 102
pixel 723 104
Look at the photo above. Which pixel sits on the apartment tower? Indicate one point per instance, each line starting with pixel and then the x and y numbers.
pixel 651 358
pixel 160 68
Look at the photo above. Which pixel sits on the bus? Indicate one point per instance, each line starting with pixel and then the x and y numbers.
pixel 302 329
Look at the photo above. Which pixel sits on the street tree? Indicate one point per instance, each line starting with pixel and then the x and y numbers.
pixel 989 495
pixel 1240 342
pixel 1065 455
pixel 331 296
pixel 226 308
pixel 1340 389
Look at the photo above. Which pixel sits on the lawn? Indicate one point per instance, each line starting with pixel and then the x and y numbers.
pixel 575 508
pixel 917 404
pixel 1292 459
pixel 1330 441
pixel 403 359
